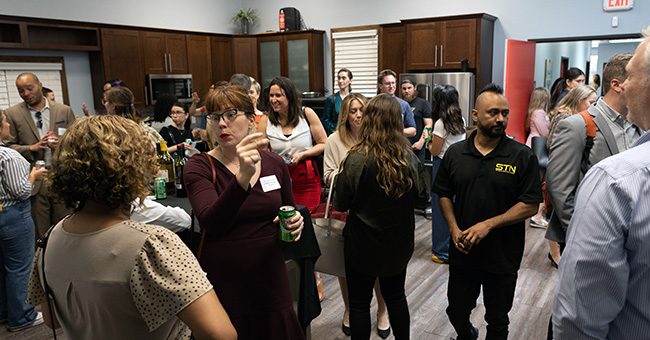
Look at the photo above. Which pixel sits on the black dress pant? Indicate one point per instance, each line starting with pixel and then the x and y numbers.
pixel 360 288
pixel 498 293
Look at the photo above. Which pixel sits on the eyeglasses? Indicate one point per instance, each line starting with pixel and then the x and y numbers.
pixel 389 83
pixel 228 115
pixel 177 113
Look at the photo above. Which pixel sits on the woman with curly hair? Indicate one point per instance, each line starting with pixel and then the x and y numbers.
pixel 128 280
pixel 379 183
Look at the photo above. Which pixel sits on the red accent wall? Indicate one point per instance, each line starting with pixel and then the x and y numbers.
pixel 518 84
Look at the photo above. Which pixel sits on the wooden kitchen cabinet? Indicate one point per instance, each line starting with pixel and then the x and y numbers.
pixel 296 55
pixel 392 47
pixel 164 52
pixel 120 58
pixel 222 52
pixel 441 44
pixel 199 62
pixel 244 56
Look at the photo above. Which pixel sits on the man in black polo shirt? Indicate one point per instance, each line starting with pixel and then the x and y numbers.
pixel 488 186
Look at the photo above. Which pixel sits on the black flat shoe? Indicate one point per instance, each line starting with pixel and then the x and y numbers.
pixel 345 329
pixel 383 333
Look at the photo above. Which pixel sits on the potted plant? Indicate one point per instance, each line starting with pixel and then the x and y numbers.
pixel 245 17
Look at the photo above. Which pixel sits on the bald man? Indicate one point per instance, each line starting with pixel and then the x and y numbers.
pixel 488 186
pixel 36 125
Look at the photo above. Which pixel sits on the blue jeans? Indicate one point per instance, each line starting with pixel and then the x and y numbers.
pixel 16 255
pixel 439 229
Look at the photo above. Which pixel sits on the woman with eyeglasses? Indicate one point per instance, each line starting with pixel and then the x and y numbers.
pixel 236 190
pixel 179 131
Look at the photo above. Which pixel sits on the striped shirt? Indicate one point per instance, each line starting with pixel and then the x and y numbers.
pixel 604 285
pixel 14 171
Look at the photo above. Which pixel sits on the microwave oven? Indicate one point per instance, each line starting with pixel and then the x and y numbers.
pixel 179 85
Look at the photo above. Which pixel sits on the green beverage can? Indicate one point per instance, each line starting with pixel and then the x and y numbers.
pixel 285 213
pixel 159 189
pixel 429 136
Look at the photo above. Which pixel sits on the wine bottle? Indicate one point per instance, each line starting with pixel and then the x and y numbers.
pixel 179 165
pixel 166 168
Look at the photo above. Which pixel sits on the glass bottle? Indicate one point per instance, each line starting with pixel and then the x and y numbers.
pixel 179 165
pixel 166 167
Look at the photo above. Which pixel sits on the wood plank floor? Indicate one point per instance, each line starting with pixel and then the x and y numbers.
pixel 426 289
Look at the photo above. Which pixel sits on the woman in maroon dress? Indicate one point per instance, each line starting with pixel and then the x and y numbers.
pixel 235 191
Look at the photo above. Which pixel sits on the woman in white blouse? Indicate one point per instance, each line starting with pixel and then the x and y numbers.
pixel 447 130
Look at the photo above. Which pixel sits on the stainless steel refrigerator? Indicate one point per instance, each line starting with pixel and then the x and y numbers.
pixel 462 81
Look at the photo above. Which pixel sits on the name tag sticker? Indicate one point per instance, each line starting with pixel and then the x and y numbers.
pixel 61 131
pixel 269 183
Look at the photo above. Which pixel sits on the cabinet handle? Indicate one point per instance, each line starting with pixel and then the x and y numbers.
pixel 441 56
pixel 165 56
pixel 435 59
pixel 171 69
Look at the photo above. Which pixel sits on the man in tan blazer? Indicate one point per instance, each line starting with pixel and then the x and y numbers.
pixel 36 125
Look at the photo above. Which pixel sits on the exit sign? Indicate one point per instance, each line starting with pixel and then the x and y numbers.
pixel 617 5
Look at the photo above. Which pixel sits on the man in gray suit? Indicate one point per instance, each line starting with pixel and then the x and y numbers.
pixel 36 125
pixel 613 134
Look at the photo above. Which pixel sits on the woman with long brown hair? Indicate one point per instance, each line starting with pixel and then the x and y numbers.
pixel 380 180
pixel 296 133
pixel 337 147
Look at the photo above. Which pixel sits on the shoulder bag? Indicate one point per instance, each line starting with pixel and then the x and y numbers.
pixel 329 233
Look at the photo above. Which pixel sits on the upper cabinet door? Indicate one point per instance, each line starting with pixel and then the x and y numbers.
pixel 164 52
pixel 270 59
pixel 422 46
pixel 154 52
pixel 244 56
pixel 458 42
pixel 298 63
pixel 176 53
pixel 199 62
pixel 122 59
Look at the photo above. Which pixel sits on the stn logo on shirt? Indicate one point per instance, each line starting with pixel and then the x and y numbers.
pixel 506 168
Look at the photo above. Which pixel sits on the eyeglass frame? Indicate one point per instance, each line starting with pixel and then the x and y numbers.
pixel 216 117
pixel 171 113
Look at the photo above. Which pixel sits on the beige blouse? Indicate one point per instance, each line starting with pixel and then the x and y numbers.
pixel 335 153
pixel 128 281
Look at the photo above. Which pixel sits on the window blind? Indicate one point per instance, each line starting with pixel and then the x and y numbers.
pixel 48 73
pixel 358 51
